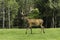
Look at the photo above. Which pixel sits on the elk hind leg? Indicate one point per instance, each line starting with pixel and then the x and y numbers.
pixel 31 30
pixel 42 28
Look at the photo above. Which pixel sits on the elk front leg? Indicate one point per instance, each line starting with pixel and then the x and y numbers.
pixel 30 28
pixel 26 30
pixel 27 27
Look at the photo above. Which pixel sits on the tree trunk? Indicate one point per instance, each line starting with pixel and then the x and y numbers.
pixel 3 13
pixel 11 23
pixel 53 20
pixel 9 17
pixel 3 19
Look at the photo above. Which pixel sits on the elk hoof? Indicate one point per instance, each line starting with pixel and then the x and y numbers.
pixel 43 32
pixel 26 33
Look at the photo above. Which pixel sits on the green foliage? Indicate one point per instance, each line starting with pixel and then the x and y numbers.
pixel 13 6
pixel 34 13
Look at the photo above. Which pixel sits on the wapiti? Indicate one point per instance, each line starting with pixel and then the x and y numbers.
pixel 32 22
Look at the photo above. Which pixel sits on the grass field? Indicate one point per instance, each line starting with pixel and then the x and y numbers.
pixel 19 34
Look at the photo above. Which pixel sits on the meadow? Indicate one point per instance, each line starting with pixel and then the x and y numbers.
pixel 19 34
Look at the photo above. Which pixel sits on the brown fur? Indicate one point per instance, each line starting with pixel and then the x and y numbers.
pixel 35 22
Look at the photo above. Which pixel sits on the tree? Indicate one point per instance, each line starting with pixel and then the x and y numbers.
pixel 55 7
pixel 1 15
pixel 10 9
pixel 3 8
pixel 13 10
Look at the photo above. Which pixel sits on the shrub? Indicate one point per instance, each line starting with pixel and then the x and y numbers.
pixel 34 13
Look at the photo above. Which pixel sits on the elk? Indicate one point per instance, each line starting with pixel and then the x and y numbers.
pixel 32 22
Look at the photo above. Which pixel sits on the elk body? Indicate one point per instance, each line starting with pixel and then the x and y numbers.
pixel 35 22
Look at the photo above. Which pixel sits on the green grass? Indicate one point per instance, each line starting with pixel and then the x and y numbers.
pixel 19 34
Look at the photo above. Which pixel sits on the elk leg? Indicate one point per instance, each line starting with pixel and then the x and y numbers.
pixel 30 28
pixel 26 30
pixel 27 27
pixel 42 28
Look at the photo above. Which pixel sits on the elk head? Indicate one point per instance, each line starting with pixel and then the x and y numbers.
pixel 24 16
